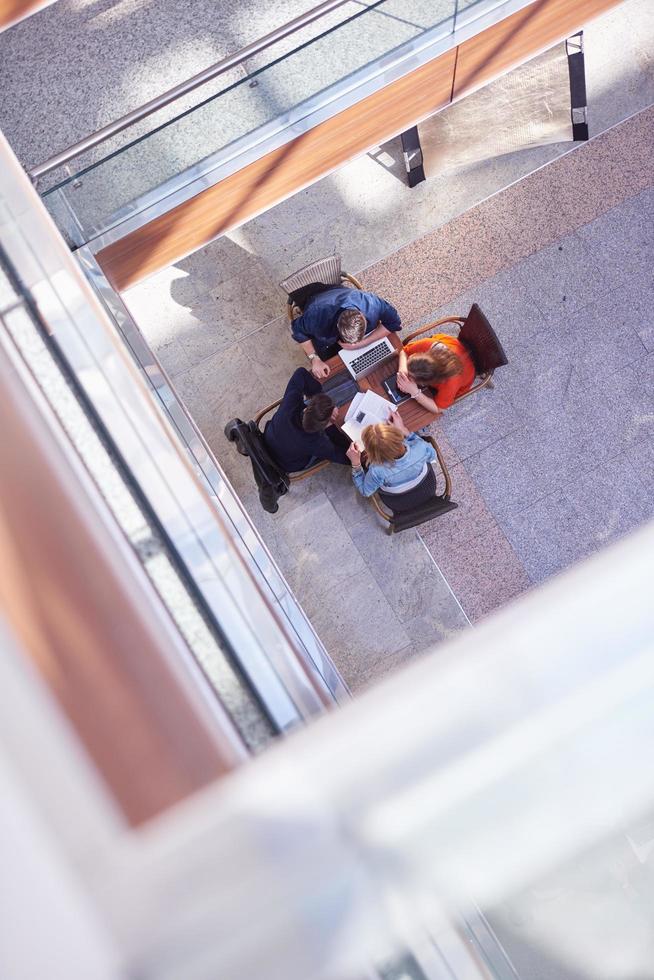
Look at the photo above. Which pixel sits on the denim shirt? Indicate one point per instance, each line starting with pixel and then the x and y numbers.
pixel 407 468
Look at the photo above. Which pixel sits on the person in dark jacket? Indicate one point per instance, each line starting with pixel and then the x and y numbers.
pixel 301 433
pixel 341 317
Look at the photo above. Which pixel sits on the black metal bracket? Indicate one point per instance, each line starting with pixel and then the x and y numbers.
pixel 578 102
pixel 412 156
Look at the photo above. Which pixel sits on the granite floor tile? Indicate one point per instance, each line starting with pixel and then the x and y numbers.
pixel 364 637
pixel 484 573
pixel 222 259
pixel 622 239
pixel 449 453
pixel 640 458
pixel 274 355
pixel 471 517
pixel 563 278
pixel 540 373
pixel 630 393
pixel 629 306
pixel 514 316
pixel 430 629
pixel 504 477
pixel 599 338
pixel 480 420
pixel 532 221
pixel 348 503
pixel 616 165
pixel 228 312
pixel 573 437
pixel 218 389
pixel 408 577
pixel 322 548
pixel 548 537
pixel 607 504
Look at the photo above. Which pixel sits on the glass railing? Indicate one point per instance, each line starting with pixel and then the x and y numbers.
pixel 96 193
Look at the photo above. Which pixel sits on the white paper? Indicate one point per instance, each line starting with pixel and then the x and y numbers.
pixel 366 409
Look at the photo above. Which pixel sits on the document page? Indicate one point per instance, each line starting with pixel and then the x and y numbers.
pixel 366 408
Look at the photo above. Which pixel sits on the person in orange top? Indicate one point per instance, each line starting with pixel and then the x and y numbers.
pixel 442 363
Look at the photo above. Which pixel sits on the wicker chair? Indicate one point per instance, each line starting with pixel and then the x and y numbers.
pixel 325 271
pixel 480 339
pixel 401 511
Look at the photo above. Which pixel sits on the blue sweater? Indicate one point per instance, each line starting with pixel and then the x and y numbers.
pixel 318 322
pixel 291 446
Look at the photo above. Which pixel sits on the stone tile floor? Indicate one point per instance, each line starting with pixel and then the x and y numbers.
pixel 553 463
pixel 554 451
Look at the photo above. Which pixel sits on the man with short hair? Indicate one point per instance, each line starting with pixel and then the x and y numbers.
pixel 341 317
pixel 301 431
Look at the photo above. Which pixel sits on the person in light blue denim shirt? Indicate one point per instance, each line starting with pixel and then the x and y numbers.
pixel 397 458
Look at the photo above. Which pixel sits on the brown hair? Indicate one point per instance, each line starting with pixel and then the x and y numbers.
pixel 434 365
pixel 317 414
pixel 351 326
pixel 383 442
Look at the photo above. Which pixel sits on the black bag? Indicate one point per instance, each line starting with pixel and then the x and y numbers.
pixel 272 482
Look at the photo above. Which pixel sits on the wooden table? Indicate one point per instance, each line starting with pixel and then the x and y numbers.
pixel 413 415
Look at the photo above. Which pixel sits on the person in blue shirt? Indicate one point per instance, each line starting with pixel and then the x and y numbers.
pixel 341 317
pixel 301 431
pixel 397 459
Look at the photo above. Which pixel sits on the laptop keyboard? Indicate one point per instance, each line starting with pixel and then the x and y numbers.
pixel 369 358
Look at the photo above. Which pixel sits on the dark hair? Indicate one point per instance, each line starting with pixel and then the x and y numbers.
pixel 317 414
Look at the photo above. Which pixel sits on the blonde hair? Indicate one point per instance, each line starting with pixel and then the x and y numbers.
pixel 436 364
pixel 383 443
pixel 351 326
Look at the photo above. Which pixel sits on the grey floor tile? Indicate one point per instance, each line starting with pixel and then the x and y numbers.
pixel 513 314
pixel 348 503
pixel 274 355
pixel 609 505
pixel 600 338
pixel 322 548
pixel 547 537
pixel 471 517
pixel 630 393
pixel 563 278
pixel 361 632
pixel 622 239
pixel 572 438
pixel 478 421
pixel 640 458
pixel 504 476
pixel 408 577
pixel 540 373
pixel 219 388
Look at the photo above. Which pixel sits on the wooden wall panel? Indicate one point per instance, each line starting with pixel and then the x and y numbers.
pixel 279 174
pixel 12 11
pixel 519 37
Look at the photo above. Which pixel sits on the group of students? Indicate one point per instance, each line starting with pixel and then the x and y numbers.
pixel 433 370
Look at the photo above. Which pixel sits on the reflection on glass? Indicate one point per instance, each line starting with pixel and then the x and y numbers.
pixel 365 35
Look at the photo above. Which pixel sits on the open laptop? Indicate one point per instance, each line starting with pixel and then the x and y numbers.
pixel 364 360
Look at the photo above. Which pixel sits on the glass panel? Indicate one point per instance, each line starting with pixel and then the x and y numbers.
pixel 99 189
